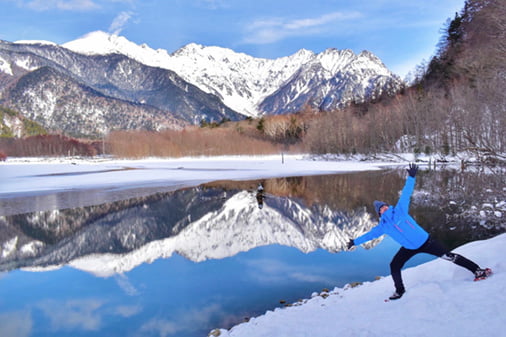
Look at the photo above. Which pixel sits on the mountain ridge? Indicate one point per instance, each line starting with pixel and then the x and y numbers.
pixel 250 80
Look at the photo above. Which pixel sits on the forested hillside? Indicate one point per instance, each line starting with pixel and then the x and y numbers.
pixel 456 103
pixel 13 124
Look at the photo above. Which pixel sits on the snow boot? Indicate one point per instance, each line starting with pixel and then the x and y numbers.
pixel 481 274
pixel 396 295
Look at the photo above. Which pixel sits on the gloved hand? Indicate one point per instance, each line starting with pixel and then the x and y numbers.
pixel 351 243
pixel 413 168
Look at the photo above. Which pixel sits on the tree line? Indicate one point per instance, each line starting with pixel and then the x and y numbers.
pixel 48 145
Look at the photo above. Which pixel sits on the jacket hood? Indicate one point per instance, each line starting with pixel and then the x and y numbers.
pixel 377 205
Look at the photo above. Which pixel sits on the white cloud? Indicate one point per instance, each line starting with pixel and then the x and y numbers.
pixel 119 22
pixel 271 30
pixel 160 327
pixel 187 320
pixel 66 5
pixel 73 314
pixel 128 310
pixel 18 323
pixel 125 284
pixel 212 4
pixel 310 277
pixel 318 21
pixel 270 271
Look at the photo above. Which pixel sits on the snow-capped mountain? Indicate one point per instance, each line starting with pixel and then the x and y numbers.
pixel 166 90
pixel 254 86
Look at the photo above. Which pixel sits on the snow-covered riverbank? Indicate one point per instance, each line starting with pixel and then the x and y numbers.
pixel 441 300
pixel 27 176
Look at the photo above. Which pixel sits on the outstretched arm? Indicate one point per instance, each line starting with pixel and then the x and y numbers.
pixel 375 232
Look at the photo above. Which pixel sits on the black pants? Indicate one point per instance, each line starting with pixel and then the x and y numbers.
pixel 431 246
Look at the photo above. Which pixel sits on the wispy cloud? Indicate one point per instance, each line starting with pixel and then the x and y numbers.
pixel 128 310
pixel 188 320
pixel 266 270
pixel 119 22
pixel 66 5
pixel 160 326
pixel 17 323
pixel 125 284
pixel 270 30
pixel 212 4
pixel 72 314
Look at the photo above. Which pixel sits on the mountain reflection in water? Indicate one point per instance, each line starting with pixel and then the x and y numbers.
pixel 220 219
pixel 186 261
pixel 212 221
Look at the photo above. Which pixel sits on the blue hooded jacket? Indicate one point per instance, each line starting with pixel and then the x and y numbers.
pixel 397 223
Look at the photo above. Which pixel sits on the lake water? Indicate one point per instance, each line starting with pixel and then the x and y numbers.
pixel 184 262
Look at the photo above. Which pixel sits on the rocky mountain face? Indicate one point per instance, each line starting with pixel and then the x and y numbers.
pixel 104 82
pixel 57 101
pixel 331 80
pixel 84 95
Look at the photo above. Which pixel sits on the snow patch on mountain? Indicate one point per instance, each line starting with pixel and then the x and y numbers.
pixel 38 42
pixel 5 67
pixel 9 247
pixel 238 79
pixel 26 63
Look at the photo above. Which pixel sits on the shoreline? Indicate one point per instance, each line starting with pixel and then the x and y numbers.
pixel 362 310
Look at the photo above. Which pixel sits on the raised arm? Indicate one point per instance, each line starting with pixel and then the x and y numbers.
pixel 407 191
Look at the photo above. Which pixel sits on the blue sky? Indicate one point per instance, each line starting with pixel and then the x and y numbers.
pixel 401 33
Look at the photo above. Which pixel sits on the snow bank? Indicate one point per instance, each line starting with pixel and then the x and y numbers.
pixel 35 176
pixel 441 300
pixel 30 176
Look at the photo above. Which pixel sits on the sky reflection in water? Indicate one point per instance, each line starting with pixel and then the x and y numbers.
pixel 178 296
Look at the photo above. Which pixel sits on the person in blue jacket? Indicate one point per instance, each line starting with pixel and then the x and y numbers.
pixel 396 222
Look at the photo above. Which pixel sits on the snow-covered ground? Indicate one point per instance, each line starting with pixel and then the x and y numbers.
pixel 59 183
pixel 441 300
pixel 27 176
